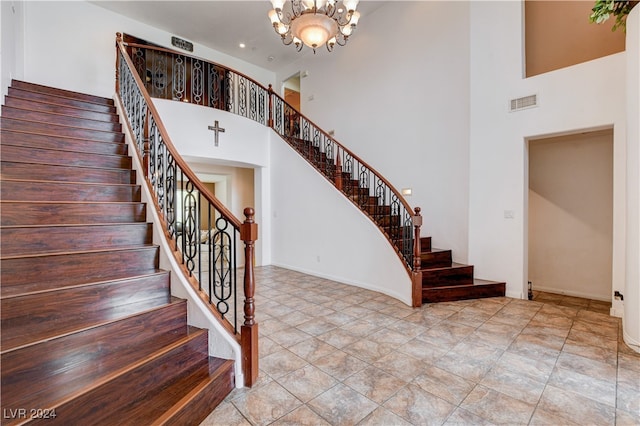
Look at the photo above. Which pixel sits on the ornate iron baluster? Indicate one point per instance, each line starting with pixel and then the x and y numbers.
pixel 197 82
pixel 179 77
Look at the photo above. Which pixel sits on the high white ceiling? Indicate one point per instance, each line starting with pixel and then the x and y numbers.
pixel 221 25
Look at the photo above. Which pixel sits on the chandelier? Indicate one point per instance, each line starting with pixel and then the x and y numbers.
pixel 314 22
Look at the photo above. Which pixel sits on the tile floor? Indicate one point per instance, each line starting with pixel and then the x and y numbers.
pixel 332 354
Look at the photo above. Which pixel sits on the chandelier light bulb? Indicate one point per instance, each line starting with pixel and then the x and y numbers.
pixel 277 4
pixel 350 4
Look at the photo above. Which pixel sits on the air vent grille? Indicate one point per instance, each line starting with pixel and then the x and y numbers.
pixel 524 103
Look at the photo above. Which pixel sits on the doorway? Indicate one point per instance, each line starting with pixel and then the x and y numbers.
pixel 570 211
pixel 291 89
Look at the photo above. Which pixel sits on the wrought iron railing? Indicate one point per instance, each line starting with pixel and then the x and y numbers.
pixel 171 75
pixel 205 236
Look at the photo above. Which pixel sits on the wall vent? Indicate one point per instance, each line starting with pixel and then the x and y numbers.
pixel 523 103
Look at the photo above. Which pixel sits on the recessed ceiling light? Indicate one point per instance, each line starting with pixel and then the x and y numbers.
pixel 242 45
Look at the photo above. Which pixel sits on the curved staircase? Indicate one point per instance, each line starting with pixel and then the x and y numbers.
pixel 90 331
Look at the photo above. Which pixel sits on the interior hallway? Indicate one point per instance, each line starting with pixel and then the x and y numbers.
pixel 340 355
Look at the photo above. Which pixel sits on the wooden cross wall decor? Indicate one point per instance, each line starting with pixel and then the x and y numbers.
pixel 217 130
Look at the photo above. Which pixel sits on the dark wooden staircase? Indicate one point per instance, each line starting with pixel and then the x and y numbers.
pixel 442 279
pixel 90 331
pixel 445 281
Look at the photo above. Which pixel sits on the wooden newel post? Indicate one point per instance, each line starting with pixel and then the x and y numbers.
pixel 270 121
pixel 338 177
pixel 249 330
pixel 118 40
pixel 416 275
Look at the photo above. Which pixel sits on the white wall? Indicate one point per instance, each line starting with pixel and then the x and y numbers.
pixel 400 100
pixel 571 214
pixel 582 97
pixel 317 230
pixel 631 319
pixel 11 43
pixel 71 45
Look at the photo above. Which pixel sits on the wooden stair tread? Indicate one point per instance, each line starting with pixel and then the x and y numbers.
pixel 20 113
pixel 62 143
pixel 43 106
pixel 19 213
pixel 39 287
pixel 70 94
pixel 60 100
pixel 91 368
pixel 47 156
pixel 20 190
pixel 36 316
pixel 54 130
pixel 206 379
pixel 61 173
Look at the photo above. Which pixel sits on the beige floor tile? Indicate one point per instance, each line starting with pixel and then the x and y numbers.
pixel 528 368
pixel 301 416
pixel 544 418
pixel 576 408
pixel 340 365
pixel 342 405
pixel 443 384
pixel 225 414
pixel 307 382
pixel 369 350
pixel 266 404
pixel 419 407
pixel 587 366
pixel 375 384
pixel 497 407
pixel 312 349
pixel 338 338
pixel 281 363
pixel 316 326
pixel 381 416
pixel 462 417
pixel 422 350
pixel 469 362
pixel 401 365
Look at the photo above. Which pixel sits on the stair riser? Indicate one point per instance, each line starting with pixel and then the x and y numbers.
pixel 447 277
pixel 22 275
pixel 437 259
pixel 47 191
pixel 60 120
pixel 63 131
pixel 425 244
pixel 21 241
pixel 31 318
pixel 45 90
pixel 31 375
pixel 18 154
pixel 66 174
pixel 59 109
pixel 34 140
pixel 24 94
pixel 462 293
pixel 21 214
pixel 101 403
